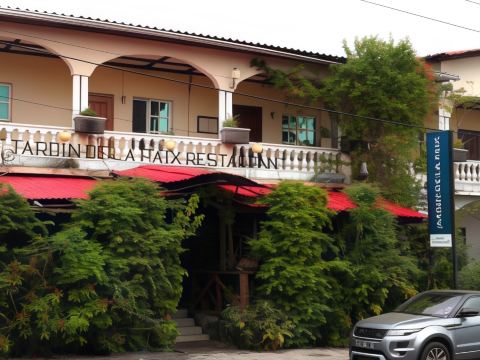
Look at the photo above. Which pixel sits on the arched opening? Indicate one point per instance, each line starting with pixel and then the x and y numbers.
pixel 155 94
pixel 36 82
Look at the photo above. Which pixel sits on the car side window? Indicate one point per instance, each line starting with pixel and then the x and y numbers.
pixel 472 303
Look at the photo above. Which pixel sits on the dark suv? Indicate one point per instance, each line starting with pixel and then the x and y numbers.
pixel 433 325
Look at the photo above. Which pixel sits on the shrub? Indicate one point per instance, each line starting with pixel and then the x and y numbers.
pixel 370 246
pixel 258 327
pixel 291 244
pixel 469 276
pixel 18 228
pixel 88 112
pixel 231 122
pixel 110 279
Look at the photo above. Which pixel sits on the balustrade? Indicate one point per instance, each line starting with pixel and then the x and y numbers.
pixel 48 141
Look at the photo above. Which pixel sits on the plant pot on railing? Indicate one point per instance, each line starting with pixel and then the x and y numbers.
pixel 88 122
pixel 232 134
pixel 460 155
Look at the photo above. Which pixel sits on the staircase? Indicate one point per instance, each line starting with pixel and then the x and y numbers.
pixel 187 329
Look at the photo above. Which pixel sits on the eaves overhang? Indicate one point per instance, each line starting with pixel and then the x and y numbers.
pixel 123 29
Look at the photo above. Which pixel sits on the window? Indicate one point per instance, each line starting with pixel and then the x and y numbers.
pixel 152 116
pixel 298 130
pixel 472 303
pixel 5 106
pixel 207 124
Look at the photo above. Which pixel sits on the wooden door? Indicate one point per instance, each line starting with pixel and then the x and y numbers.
pixel 471 142
pixel 250 117
pixel 102 104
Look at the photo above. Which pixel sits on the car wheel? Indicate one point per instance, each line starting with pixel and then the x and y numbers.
pixel 435 351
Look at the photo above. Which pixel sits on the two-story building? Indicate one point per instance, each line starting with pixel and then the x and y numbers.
pixel 161 98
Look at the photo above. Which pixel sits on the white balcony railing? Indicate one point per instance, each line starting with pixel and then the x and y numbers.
pixel 468 171
pixel 121 149
pixel 467 177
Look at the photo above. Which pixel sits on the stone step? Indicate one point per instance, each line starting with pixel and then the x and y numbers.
pixel 184 322
pixel 189 338
pixel 181 313
pixel 190 330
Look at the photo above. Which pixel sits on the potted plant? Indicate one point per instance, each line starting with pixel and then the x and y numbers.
pixel 88 122
pixel 232 134
pixel 460 154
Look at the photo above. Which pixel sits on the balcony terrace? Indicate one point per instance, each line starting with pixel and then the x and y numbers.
pixel 55 147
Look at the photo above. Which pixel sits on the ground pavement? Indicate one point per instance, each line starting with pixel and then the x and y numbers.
pixel 216 351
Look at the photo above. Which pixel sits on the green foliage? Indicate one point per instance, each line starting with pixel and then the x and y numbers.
pixel 18 227
pixel 385 80
pixel 369 244
pixel 128 220
pixel 458 144
pixel 88 112
pixel 17 221
pixel 469 276
pixel 293 82
pixel 381 79
pixel 108 281
pixel 231 122
pixel 260 326
pixel 458 103
pixel 290 247
pixel 435 264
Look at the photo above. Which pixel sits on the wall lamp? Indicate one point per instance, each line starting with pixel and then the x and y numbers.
pixel 363 175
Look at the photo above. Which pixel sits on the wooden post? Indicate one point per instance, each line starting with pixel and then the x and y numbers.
pixel 231 250
pixel 223 241
pixel 218 291
pixel 244 290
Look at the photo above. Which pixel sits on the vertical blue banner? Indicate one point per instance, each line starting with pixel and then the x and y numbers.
pixel 440 188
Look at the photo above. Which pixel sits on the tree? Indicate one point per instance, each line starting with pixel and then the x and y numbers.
pixel 128 219
pixel 18 228
pixel 369 243
pixel 291 247
pixel 385 80
pixel 109 280
pixel 380 79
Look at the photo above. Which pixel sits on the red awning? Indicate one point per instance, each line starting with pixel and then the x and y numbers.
pixel 68 188
pixel 399 210
pixel 339 201
pixel 163 174
pixel 179 176
pixel 49 187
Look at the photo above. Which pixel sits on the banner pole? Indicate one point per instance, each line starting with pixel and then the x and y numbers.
pixel 440 194
pixel 452 215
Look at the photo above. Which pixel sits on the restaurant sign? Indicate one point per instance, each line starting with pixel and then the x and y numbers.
pixel 440 188
pixel 152 156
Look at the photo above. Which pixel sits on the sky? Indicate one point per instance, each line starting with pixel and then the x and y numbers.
pixel 313 25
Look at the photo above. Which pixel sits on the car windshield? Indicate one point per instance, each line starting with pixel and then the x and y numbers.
pixel 431 304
